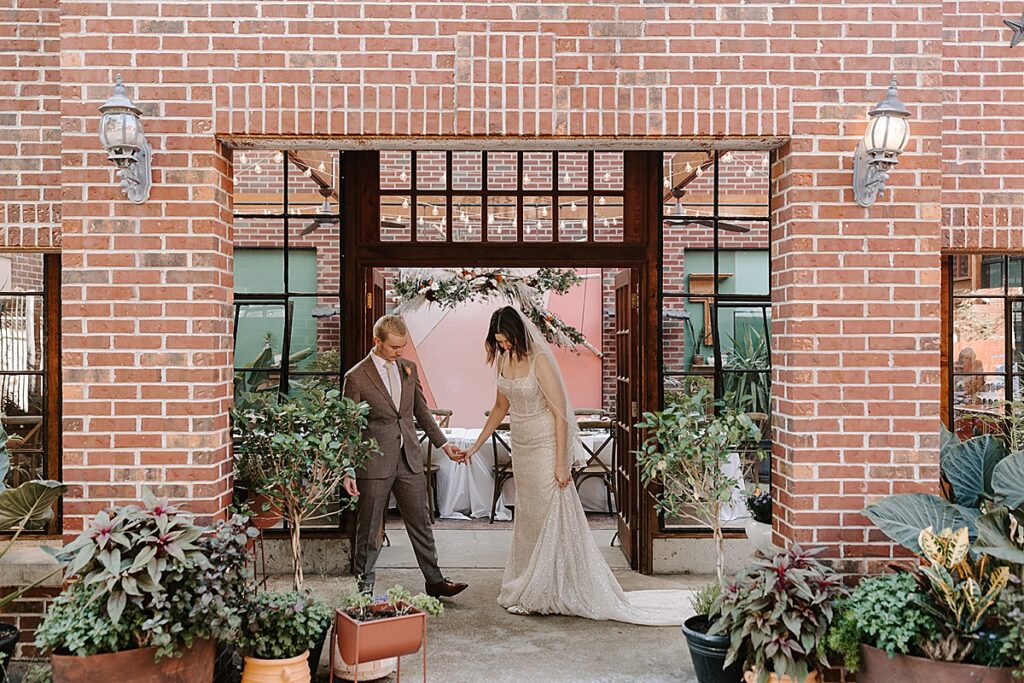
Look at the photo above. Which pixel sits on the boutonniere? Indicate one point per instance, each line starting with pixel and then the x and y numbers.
pixel 407 370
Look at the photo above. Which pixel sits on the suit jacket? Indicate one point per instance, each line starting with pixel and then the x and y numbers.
pixel 392 426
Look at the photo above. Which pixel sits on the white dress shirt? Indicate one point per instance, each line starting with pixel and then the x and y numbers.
pixel 392 384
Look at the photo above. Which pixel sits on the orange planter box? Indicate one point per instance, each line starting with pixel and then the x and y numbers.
pixel 365 641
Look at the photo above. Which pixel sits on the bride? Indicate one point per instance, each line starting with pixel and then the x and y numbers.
pixel 554 565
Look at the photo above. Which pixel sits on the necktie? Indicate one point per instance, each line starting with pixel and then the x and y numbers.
pixel 393 385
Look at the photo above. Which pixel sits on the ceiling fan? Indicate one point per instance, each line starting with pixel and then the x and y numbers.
pixel 326 214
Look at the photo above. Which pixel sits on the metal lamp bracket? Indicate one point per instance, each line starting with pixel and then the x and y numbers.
pixel 869 176
pixel 137 179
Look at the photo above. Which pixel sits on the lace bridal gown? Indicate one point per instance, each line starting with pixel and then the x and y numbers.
pixel 554 566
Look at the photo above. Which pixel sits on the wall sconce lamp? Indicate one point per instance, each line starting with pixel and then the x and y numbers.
pixel 884 140
pixel 126 145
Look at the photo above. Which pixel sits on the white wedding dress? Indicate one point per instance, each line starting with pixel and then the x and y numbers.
pixel 554 565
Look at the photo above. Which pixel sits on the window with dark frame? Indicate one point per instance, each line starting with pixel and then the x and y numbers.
pixel 30 395
pixel 714 295
pixel 985 363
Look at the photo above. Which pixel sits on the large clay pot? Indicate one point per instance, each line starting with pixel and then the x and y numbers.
pixel 877 667
pixel 707 652
pixel 9 635
pixel 813 677
pixel 138 666
pixel 363 641
pixel 293 670
pixel 265 519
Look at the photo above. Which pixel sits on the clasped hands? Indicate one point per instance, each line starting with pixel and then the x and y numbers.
pixel 456 454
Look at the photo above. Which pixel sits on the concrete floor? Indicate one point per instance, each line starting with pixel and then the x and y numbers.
pixel 476 640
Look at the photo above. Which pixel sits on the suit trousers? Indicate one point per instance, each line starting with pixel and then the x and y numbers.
pixel 410 490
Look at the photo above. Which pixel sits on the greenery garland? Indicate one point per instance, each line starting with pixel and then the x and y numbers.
pixel 451 288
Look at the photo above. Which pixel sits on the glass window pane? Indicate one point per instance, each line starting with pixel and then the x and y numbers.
pixel 395 170
pixel 976 400
pixel 502 171
pixel 395 218
pixel 572 219
pixel 537 219
pixel 992 268
pixel 978 335
pixel 537 170
pixel 319 238
pixel 501 219
pixel 572 170
pixel 259 270
pixel 1015 275
pixel 466 223
pixel 686 334
pixel 743 271
pixel 21 332
pixel 467 171
pixel 22 410
pixel 1017 336
pixel 258 335
pixel 430 219
pixel 608 171
pixel 431 170
pixel 21 272
pixel 688 185
pixel 743 181
pixel 304 331
pixel 312 177
pixel 258 177
pixel 608 219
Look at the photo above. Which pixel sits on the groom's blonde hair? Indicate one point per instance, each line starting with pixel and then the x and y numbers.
pixel 389 324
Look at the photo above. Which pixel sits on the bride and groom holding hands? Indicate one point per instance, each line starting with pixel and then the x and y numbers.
pixel 553 566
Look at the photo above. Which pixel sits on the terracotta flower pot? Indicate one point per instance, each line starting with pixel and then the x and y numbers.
pixel 265 519
pixel 292 670
pixel 877 667
pixel 363 641
pixel 813 677
pixel 138 666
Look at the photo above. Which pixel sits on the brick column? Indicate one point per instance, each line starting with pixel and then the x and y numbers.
pixel 147 293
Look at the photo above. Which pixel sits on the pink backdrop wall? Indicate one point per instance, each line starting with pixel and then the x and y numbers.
pixel 448 346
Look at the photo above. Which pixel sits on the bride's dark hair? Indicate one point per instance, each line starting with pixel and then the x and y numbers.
pixel 506 322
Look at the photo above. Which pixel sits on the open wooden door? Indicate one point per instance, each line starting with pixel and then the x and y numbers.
pixel 628 487
pixel 374 303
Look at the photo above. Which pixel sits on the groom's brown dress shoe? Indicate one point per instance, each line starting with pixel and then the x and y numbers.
pixel 445 589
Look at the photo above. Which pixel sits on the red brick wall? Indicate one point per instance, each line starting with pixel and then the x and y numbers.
pixel 856 316
pixel 29 124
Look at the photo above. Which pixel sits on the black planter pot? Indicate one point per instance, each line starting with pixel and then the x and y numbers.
pixel 9 635
pixel 708 653
pixel 316 650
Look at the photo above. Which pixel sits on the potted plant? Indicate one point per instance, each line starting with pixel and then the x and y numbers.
pixel 687 451
pixel 369 630
pixel 27 506
pixel 307 445
pixel 278 631
pixel 759 525
pixel 779 609
pixel 708 652
pixel 148 593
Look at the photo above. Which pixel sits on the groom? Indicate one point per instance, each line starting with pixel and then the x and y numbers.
pixel 391 388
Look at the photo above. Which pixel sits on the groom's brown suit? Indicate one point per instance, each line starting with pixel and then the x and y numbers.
pixel 397 467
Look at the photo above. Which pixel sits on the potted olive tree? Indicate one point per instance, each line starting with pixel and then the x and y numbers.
pixel 309 444
pixel 687 452
pixel 148 594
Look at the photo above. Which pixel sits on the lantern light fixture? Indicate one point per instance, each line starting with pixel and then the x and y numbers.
pixel 886 137
pixel 126 145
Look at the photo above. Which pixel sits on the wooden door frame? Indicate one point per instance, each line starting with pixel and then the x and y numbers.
pixel 363 252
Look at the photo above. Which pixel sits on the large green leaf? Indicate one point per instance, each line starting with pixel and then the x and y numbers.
pixel 968 468
pixel 31 504
pixel 994 538
pixel 947 440
pixel 1008 481
pixel 903 516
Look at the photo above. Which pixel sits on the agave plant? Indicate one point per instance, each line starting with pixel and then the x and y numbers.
pixel 749 392
pixel 962 591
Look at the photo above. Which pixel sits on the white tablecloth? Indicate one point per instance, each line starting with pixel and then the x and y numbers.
pixel 465 491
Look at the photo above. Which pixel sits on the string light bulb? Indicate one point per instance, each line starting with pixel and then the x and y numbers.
pixel 602 201
pixel 689 167
pixel 700 172
pixel 544 211
pixel 526 179
pixel 567 180
pixel 258 169
pixel 245 159
pixel 308 172
pixel 405 202
pixel 607 177
pixel 434 211
pixel 278 157
pixel 573 207
pixel 750 172
pixel 667 183
pixel 403 176
pixel 420 221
